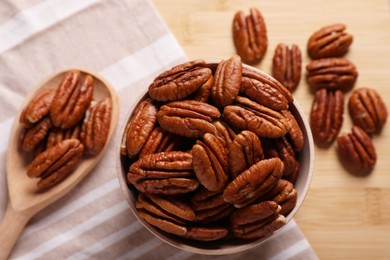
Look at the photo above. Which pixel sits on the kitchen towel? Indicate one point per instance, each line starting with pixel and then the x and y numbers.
pixel 128 44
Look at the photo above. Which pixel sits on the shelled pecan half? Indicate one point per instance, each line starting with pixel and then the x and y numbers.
pixel 37 108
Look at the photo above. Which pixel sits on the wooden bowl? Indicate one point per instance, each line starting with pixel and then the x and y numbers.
pixel 306 160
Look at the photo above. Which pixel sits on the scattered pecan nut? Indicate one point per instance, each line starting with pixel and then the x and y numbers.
pixel 71 100
pixel 329 41
pixel 246 114
pixel 265 90
pixel 188 118
pixel 166 173
pixel 326 116
pixel 37 108
pixel 250 36
pixel 180 81
pixel 287 65
pixel 332 74
pixel 367 110
pixel 227 81
pixel 356 151
pixel 256 221
pixel 56 163
pixel 96 126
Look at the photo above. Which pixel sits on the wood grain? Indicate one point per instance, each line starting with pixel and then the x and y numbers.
pixel 343 217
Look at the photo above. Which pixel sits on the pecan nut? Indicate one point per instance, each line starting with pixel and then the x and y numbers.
pixel 57 135
pixel 204 92
pixel 326 116
pixel 295 134
pixel 140 126
pixel 37 108
pixel 71 100
pixel 329 41
pixel 285 195
pixel 263 121
pixel 56 163
pixel 188 118
pixel 227 81
pixel 159 141
pixel 367 110
pixel 180 81
pixel 36 134
pixel 284 151
pixel 166 173
pixel 332 74
pixel 206 233
pixel 287 65
pixel 173 206
pixel 250 36
pixel 256 221
pixel 96 126
pixel 210 163
pixel 254 182
pixel 265 90
pixel 356 151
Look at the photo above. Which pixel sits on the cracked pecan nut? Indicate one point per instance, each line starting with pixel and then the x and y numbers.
pixel 36 134
pixel 188 118
pixel 96 126
pixel 71 100
pixel 227 81
pixel 37 108
pixel 253 182
pixel 56 163
pixel 285 195
pixel 329 41
pixel 57 135
pixel 287 65
pixel 140 126
pixel 265 90
pixel 180 81
pixel 166 173
pixel 367 110
pixel 250 36
pixel 332 74
pixel 295 134
pixel 244 151
pixel 256 221
pixel 246 114
pixel 356 151
pixel 210 162
pixel 326 116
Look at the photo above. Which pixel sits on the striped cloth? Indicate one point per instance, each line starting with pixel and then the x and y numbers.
pixel 128 44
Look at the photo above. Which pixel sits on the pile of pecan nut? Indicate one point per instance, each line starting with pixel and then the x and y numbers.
pixel 331 76
pixel 61 125
pixel 213 152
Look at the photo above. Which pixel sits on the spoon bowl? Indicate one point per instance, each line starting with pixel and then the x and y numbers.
pixel 25 198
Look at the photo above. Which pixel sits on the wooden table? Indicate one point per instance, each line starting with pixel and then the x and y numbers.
pixel 343 216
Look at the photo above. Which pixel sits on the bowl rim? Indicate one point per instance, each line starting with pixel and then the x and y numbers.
pixel 236 248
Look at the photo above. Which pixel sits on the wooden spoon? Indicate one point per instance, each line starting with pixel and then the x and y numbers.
pixel 25 199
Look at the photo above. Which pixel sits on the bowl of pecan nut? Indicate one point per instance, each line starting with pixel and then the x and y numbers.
pixel 215 157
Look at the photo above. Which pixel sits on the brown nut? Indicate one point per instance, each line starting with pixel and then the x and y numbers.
pixel 253 182
pixel 166 225
pixel 173 206
pixel 285 152
pixel 206 233
pixel 204 92
pixel 56 163
pixel 329 41
pixel 250 36
pixel 140 126
pixel 57 135
pixel 96 126
pixel 210 163
pixel 265 90
pixel 256 221
pixel 180 81
pixel 326 116
pixel 35 135
pixel 71 100
pixel 244 151
pixel 287 65
pixel 37 108
pixel 367 110
pixel 227 81
pixel 285 195
pixel 188 118
pixel 295 134
pixel 356 151
pixel 166 173
pixel 332 74
pixel 158 141
pixel 246 114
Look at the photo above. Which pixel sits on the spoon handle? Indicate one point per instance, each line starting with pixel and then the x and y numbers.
pixel 10 228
